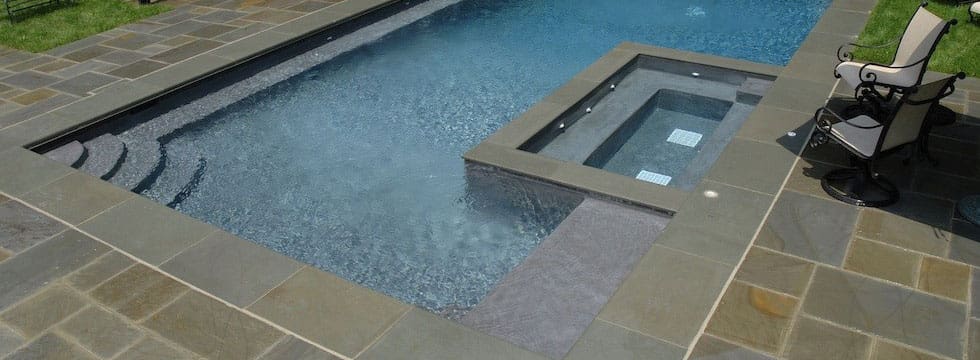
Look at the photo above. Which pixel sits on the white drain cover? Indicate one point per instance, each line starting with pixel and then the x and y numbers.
pixel 653 177
pixel 684 137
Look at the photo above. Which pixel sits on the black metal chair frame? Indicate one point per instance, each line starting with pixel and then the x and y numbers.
pixel 850 184
pixel 867 90
pixel 15 6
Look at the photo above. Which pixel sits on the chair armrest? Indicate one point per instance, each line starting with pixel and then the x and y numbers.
pixel 844 53
pixel 825 126
pixel 870 78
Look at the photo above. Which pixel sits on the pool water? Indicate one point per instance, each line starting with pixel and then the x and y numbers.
pixel 354 165
pixel 663 137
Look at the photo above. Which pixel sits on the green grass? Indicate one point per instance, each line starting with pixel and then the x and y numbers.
pixel 56 25
pixel 958 51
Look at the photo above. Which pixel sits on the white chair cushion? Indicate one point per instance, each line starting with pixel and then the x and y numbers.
pixel 975 8
pixel 849 71
pixel 863 141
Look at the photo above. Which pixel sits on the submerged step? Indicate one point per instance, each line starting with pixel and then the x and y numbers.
pixel 106 155
pixel 548 301
pixel 752 90
pixel 142 159
pixel 71 154
pixel 182 168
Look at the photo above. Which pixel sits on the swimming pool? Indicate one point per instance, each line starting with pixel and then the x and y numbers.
pixel 354 166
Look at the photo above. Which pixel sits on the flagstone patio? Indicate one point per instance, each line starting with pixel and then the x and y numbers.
pixel 87 273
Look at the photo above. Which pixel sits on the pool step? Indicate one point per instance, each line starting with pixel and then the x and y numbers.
pixel 71 154
pixel 142 160
pixel 548 301
pixel 106 155
pixel 752 90
pixel 181 171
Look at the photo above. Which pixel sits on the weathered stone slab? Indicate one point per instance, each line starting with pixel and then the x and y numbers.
pixel 32 269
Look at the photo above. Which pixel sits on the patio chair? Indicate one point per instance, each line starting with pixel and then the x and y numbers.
pixel 974 9
pixel 908 65
pixel 868 139
pixel 13 7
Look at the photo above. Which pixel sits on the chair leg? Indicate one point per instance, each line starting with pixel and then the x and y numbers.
pixel 921 149
pixel 860 186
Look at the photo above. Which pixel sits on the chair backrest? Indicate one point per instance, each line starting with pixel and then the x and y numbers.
pixel 911 112
pixel 921 36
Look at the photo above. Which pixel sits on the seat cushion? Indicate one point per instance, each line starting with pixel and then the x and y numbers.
pixel 975 8
pixel 849 71
pixel 862 141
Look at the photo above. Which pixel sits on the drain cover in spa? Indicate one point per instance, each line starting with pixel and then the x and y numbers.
pixel 653 177
pixel 684 137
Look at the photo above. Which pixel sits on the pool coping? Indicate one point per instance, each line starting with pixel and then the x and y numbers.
pixel 502 149
pixel 60 191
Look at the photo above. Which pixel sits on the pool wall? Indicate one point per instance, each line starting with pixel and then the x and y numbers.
pixel 663 305
pixel 506 148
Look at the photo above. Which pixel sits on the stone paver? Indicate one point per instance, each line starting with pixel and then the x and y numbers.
pixel 884 350
pixel 154 349
pixel 712 348
pixel 883 261
pixel 138 292
pixel 9 340
pixel 22 227
pixel 421 335
pixel 753 316
pixel 101 332
pixel 99 270
pixel 137 69
pixel 792 229
pixel 812 339
pixel 604 340
pixel 138 227
pixel 77 197
pixel 291 348
pixel 50 346
pixel 775 271
pixel 234 269
pixel 666 294
pixel 330 311
pixel 83 84
pixel 39 313
pixel 212 329
pixel 944 278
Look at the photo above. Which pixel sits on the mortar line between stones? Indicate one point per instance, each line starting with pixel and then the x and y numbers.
pixel 965 340
pixel 383 333
pixel 300 268
pixel 784 346
pixel 774 291
pixel 637 331
pixel 198 241
pixel 700 257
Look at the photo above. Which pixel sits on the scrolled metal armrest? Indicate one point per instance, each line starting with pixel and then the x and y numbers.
pixel 843 55
pixel 825 126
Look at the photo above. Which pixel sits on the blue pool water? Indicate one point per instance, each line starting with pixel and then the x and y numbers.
pixel 643 142
pixel 354 165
